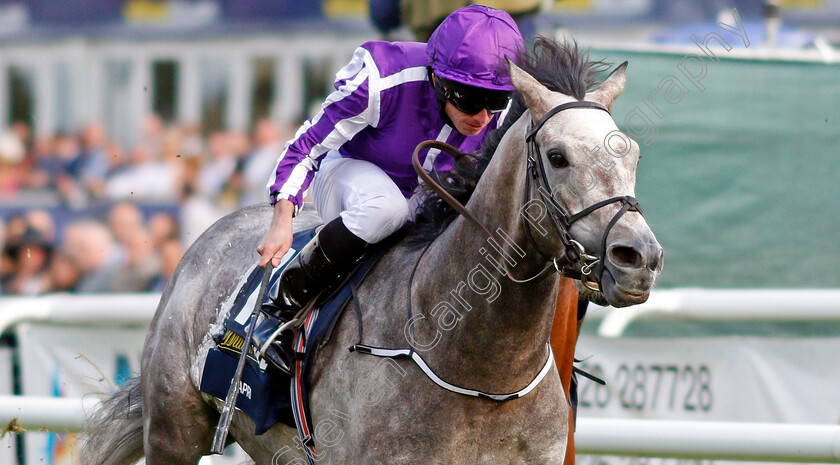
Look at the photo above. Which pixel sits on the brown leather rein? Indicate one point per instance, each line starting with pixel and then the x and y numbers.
pixel 460 157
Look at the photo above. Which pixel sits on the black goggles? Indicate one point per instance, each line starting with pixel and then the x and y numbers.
pixel 472 100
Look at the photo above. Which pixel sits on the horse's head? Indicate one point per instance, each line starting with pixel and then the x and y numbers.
pixel 583 171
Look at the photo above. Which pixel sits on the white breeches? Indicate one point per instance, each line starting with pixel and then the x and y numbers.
pixel 371 206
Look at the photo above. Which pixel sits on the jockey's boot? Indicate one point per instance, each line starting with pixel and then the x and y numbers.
pixel 322 264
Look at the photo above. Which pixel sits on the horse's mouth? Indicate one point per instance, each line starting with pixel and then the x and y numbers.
pixel 618 295
pixel 640 296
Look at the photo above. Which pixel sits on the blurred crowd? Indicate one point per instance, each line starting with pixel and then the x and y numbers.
pixel 126 215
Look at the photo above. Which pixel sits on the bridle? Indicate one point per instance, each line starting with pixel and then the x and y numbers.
pixel 575 262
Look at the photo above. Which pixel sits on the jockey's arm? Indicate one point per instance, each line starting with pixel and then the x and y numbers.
pixel 344 113
pixel 278 239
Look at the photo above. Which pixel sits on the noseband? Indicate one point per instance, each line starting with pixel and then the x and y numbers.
pixel 575 261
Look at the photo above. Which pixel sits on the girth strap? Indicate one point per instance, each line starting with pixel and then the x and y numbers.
pixel 410 353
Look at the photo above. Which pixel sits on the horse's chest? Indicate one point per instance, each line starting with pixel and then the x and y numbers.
pixel 413 422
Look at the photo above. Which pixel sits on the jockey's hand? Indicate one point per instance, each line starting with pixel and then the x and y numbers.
pixel 278 240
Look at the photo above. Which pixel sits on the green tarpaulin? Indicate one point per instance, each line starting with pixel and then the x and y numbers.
pixel 740 184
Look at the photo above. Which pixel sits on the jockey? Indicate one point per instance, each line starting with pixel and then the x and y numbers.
pixel 355 154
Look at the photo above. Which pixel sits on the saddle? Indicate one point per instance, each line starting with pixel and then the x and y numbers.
pixel 266 394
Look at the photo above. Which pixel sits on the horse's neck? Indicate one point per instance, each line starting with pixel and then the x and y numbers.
pixel 503 330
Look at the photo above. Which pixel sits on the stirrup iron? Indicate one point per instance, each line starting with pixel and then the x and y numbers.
pixel 270 340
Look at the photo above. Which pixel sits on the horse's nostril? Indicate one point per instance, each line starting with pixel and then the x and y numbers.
pixel 656 263
pixel 625 256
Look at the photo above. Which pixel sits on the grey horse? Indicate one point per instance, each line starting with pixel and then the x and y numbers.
pixel 474 327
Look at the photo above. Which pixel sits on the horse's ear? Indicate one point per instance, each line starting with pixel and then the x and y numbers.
pixel 611 88
pixel 537 96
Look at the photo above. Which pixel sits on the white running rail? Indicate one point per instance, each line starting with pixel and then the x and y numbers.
pixel 774 442
pixel 676 304
pixel 57 414
pixel 84 309
pixel 638 438
pixel 643 438
pixel 723 305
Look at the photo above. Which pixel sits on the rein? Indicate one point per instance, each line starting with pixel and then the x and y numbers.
pixel 574 262
pixel 454 203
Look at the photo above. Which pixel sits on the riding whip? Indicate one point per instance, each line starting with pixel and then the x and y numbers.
pixel 233 392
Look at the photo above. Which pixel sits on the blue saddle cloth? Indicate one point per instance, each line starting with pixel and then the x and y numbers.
pixel 266 395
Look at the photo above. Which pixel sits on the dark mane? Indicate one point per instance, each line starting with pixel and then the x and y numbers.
pixel 560 67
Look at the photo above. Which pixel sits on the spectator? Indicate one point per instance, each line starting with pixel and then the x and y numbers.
pixel 16 226
pixel 6 264
pixel 64 273
pixel 153 131
pixel 117 162
pixel 239 146
pixel 27 253
pixel 23 134
pixel 11 164
pixel 423 16
pixel 192 144
pixel 91 247
pixel 204 179
pixel 163 226
pixel 172 155
pixel 66 149
pixel 267 149
pixel 21 130
pixel 171 252
pixel 123 218
pixel 218 166
pixel 42 222
pixel 197 214
pixel 141 265
pixel 31 255
pixel 91 167
pixel 145 178
pixel 385 15
pixel 45 167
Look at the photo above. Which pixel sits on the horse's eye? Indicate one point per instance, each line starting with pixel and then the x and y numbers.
pixel 557 159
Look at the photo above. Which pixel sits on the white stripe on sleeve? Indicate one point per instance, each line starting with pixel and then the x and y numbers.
pixel 347 127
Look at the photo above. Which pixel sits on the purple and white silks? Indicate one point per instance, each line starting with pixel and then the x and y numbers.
pixel 383 106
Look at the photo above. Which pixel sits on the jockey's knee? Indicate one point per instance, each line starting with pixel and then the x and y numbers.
pixel 377 218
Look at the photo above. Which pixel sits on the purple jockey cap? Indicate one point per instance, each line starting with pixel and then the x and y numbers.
pixel 470 45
